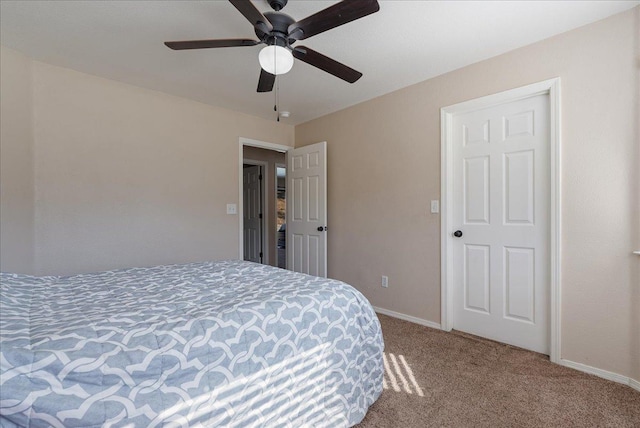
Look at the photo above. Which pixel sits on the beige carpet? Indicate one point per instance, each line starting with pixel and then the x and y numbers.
pixel 461 380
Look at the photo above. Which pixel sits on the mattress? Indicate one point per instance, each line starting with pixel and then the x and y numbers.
pixel 229 343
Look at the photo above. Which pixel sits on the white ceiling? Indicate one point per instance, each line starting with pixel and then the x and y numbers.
pixel 404 43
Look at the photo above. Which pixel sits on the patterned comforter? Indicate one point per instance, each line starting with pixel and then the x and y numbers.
pixel 227 343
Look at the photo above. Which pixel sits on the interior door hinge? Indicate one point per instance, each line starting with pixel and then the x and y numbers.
pixel 260 177
pixel 260 215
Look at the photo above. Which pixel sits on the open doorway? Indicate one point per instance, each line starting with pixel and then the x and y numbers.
pixel 260 191
pixel 306 190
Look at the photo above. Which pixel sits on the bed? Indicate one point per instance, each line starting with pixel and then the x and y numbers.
pixel 229 343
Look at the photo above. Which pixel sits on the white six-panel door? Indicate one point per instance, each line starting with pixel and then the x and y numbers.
pixel 501 185
pixel 307 209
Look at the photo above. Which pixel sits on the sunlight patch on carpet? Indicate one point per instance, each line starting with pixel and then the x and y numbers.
pixel 399 374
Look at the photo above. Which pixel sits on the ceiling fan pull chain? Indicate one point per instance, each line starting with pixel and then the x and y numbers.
pixel 275 95
pixel 277 98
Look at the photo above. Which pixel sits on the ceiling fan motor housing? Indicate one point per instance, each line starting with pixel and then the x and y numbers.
pixel 278 36
pixel 277 4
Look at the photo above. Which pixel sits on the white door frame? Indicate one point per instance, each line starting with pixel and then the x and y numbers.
pixel 263 205
pixel 242 141
pixel 551 87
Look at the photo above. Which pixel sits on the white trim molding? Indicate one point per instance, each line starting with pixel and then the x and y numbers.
pixel 615 377
pixel 409 318
pixel 242 141
pixel 552 88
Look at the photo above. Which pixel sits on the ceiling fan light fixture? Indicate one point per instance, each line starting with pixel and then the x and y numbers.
pixel 275 59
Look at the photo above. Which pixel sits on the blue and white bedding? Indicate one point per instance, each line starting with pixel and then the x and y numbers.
pixel 231 343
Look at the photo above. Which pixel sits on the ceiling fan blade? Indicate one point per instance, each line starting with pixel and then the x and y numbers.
pixel 331 17
pixel 265 84
pixel 253 15
pixel 327 64
pixel 218 43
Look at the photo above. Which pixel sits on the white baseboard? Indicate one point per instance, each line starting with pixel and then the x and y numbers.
pixel 615 377
pixel 409 318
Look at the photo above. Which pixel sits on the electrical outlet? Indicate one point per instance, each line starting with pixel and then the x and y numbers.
pixel 385 281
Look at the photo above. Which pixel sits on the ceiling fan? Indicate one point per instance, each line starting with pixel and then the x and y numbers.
pixel 280 31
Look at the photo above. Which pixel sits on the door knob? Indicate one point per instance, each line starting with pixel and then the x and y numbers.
pixel 457 233
pixel 322 228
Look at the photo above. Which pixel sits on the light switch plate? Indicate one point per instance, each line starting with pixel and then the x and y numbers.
pixel 232 209
pixel 435 206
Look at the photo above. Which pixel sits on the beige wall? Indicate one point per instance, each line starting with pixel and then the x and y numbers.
pixel 16 164
pixel 384 167
pixel 272 158
pixel 123 176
